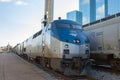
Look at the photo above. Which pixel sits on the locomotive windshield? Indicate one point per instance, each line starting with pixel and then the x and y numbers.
pixel 75 26
pixel 63 25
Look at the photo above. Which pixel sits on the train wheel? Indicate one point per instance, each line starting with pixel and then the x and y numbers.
pixel 47 62
pixel 115 64
pixel 25 56
pixel 37 60
pixel 118 64
pixel 43 61
pixel 112 63
pixel 67 70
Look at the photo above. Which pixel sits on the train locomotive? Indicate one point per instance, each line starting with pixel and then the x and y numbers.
pixel 59 45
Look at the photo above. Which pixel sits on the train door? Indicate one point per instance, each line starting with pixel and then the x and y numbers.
pixel 43 42
pixel 92 38
pixel 99 40
pixel 119 38
pixel 22 48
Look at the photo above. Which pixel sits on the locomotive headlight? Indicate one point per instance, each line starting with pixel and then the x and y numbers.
pixel 74 41
pixel 66 45
pixel 78 41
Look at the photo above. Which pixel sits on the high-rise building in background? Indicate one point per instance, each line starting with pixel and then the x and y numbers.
pixel 113 7
pixel 92 10
pixel 100 9
pixel 88 9
pixel 75 16
pixel 106 7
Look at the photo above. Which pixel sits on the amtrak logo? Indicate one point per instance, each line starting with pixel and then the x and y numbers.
pixel 73 33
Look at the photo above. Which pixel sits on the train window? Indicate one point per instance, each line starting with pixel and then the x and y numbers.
pixel 49 27
pixel 76 26
pixel 100 48
pixel 24 49
pixel 27 40
pixel 61 25
pixel 99 33
pixel 37 34
pixel 66 51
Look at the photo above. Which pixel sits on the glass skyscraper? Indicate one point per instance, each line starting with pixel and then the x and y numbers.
pixel 106 7
pixel 113 6
pixel 88 9
pixel 101 9
pixel 75 16
pixel 93 10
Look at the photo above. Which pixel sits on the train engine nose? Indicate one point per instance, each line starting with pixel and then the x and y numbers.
pixel 76 52
pixel 76 45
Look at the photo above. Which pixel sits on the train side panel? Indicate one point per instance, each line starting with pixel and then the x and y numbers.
pixel 16 49
pixel 32 46
pixel 105 37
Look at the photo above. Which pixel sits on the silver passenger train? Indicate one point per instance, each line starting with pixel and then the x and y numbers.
pixel 58 45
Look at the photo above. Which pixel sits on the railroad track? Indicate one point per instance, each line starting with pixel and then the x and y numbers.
pixel 60 75
pixel 63 77
pixel 106 69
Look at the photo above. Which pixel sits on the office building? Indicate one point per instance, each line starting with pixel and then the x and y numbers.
pixel 106 7
pixel 75 16
pixel 113 7
pixel 92 10
pixel 88 9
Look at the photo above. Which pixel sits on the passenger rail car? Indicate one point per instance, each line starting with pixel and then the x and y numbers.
pixel 59 45
pixel 17 49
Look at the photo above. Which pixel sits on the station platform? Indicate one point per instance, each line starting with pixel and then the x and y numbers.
pixel 12 67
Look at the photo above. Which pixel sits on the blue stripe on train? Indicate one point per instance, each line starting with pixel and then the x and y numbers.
pixel 69 35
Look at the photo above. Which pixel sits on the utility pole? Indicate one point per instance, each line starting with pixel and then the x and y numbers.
pixel 48 14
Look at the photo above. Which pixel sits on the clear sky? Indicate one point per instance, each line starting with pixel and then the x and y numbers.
pixel 20 19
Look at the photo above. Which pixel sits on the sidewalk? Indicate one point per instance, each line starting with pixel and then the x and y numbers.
pixel 12 67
